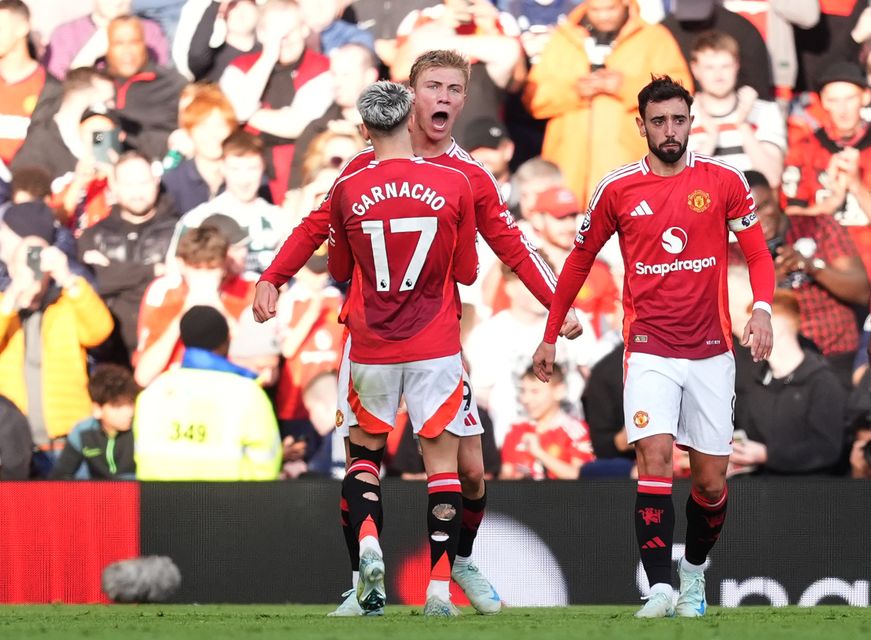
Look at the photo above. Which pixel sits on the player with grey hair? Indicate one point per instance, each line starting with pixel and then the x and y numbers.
pixel 384 106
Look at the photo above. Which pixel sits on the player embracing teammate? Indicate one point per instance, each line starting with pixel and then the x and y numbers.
pixel 672 211
pixel 406 228
pixel 438 79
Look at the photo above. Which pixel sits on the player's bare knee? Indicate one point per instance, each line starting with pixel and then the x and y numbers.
pixel 372 497
pixel 711 489
pixel 472 479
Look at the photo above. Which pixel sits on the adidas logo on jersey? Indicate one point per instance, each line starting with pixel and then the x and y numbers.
pixel 643 209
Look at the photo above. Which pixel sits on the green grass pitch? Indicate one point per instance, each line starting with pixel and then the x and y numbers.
pixel 262 622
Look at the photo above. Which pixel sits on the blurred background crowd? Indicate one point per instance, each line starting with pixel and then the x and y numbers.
pixel 154 155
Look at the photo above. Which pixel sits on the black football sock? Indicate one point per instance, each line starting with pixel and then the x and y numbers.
pixel 704 523
pixel 654 527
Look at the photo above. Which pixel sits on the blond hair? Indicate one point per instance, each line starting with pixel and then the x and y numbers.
pixel 439 59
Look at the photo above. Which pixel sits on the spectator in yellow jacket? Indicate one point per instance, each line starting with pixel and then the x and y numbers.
pixel 587 82
pixel 207 419
pixel 48 318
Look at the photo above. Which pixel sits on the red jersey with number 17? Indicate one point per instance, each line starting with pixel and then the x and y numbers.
pixel 673 233
pixel 405 228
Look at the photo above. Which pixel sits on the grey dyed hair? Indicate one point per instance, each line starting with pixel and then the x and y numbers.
pixel 384 106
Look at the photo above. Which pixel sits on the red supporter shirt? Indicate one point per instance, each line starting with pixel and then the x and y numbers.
pixel 406 229
pixel 570 442
pixel 805 174
pixel 673 237
pixel 17 101
pixel 164 300
pixel 495 224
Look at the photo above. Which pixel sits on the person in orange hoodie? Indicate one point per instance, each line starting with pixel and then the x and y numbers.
pixel 587 81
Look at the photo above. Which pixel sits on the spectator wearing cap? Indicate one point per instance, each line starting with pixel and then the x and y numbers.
pixel 48 318
pixel 202 279
pixel 586 85
pixel 554 218
pixel 828 170
pixel 127 250
pixel 310 338
pixel 84 42
pixel 207 420
pixel 58 146
pixel 146 95
pixel 487 141
pixel 22 78
pixel 242 167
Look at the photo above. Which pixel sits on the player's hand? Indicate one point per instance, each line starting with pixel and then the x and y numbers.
pixel 758 330
pixel 749 452
pixel 265 301
pixel 571 328
pixel 542 361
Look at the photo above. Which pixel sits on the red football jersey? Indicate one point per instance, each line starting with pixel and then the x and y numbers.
pixel 570 442
pixel 673 234
pixel 495 224
pixel 405 228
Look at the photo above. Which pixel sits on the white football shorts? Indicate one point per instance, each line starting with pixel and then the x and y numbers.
pixel 693 400
pixel 437 394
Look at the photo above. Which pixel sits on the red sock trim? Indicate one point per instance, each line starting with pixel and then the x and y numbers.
pixel 443 482
pixel 364 465
pixel 710 506
pixel 343 504
pixel 368 528
pixel 654 485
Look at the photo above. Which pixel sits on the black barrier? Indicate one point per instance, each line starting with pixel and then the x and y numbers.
pixel 786 541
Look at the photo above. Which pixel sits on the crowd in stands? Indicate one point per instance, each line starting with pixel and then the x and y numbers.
pixel 154 155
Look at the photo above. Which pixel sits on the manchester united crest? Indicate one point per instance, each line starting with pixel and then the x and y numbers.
pixel 340 418
pixel 641 419
pixel 699 201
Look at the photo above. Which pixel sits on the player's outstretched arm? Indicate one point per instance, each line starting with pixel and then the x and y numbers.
pixel 302 242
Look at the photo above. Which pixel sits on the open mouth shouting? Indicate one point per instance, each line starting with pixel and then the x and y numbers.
pixel 440 121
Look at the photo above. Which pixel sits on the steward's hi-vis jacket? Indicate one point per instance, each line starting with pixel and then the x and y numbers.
pixel 200 424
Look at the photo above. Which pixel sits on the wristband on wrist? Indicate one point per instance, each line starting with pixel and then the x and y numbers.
pixel 762 305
